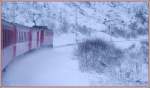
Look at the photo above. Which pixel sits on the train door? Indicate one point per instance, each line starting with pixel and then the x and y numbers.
pixel 42 37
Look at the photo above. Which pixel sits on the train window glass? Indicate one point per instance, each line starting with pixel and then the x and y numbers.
pixel 21 36
pixel 24 36
pixel 18 36
pixel 5 38
pixel 8 37
pixel 10 40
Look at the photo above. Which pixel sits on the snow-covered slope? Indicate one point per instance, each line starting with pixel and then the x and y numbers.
pixel 125 24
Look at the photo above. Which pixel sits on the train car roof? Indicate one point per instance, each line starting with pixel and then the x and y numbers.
pixel 22 27
pixel 7 25
pixel 41 28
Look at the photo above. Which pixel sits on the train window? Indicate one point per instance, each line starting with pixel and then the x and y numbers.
pixel 8 38
pixel 21 37
pixel 18 36
pixel 5 38
pixel 25 37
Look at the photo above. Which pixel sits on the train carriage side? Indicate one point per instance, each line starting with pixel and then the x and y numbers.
pixel 44 36
pixel 48 38
pixel 8 43
pixel 35 38
pixel 24 38
pixel 18 40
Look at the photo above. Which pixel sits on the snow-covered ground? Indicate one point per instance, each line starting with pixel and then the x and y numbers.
pixel 123 24
pixel 58 66
pixel 46 67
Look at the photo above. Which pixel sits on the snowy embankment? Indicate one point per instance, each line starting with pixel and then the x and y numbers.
pixel 46 67
pixel 63 39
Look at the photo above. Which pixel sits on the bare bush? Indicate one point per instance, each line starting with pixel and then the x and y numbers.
pixel 97 54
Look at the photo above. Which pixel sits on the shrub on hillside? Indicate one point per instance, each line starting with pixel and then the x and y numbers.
pixel 97 54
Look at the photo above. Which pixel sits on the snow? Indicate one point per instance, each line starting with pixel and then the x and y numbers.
pixel 46 67
pixel 57 66
pixel 64 39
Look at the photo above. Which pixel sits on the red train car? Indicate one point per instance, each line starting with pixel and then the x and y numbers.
pixel 18 39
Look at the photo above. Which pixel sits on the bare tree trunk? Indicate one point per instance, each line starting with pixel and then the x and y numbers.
pixel 34 22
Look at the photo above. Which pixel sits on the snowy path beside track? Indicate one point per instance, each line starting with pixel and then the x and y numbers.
pixel 46 67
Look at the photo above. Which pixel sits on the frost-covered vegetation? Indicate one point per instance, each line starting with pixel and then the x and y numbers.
pixel 103 57
pixel 97 55
pixel 111 37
